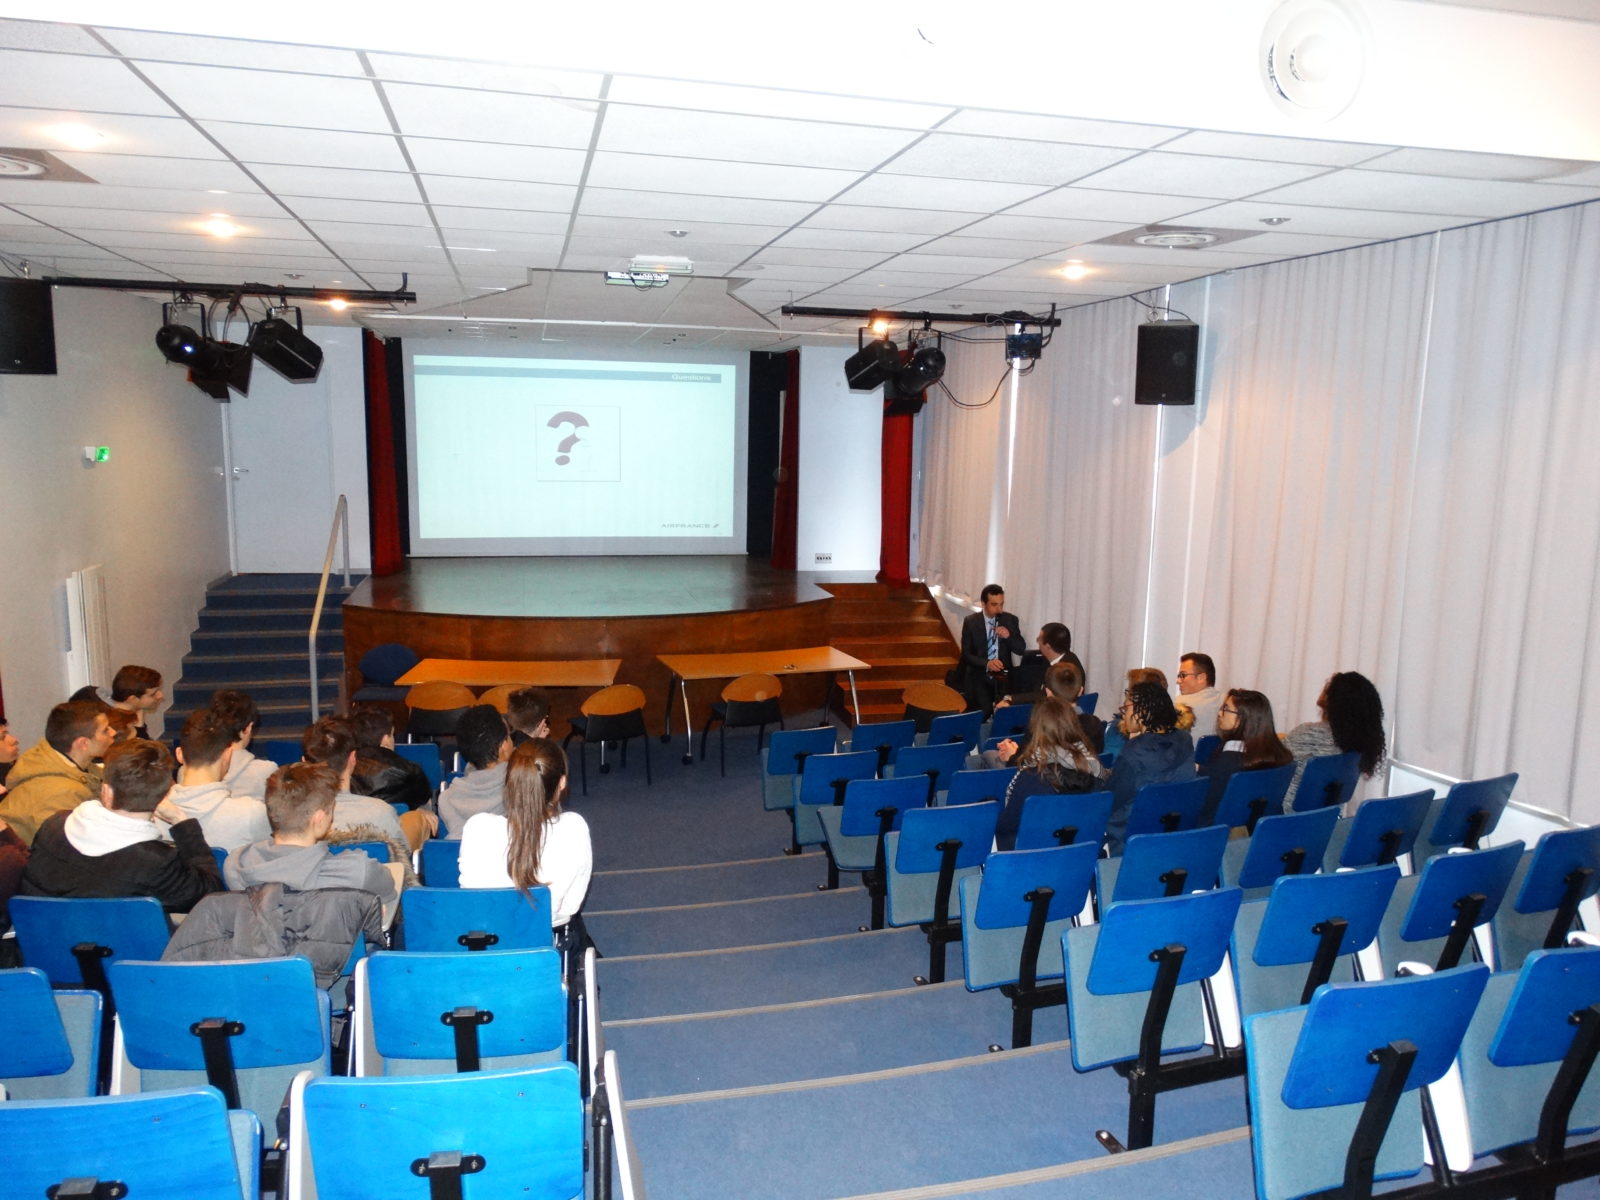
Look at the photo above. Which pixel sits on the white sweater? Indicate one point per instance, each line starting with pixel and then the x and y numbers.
pixel 566 859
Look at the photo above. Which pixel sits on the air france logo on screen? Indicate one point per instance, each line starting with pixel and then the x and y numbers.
pixel 581 444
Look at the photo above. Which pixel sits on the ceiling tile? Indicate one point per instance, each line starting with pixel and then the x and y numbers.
pixel 952 263
pixel 499 219
pixel 80 82
pixel 927 222
pixel 715 231
pixel 773 102
pixel 1198 175
pixel 695 175
pixel 1463 165
pixel 983 247
pixel 499 193
pixel 1282 243
pixel 749 139
pixel 1095 204
pixel 920 281
pixel 629 247
pixel 1589 176
pixel 140 170
pixel 402 255
pixel 1428 194
pixel 1343 222
pixel 45 35
pixel 308 147
pixel 271 97
pixel 233 52
pixel 1274 149
pixel 191 205
pixel 75 217
pixel 317 208
pixel 138 241
pixel 470 245
pixel 1059 230
pixel 394 186
pixel 686 208
pixel 339 232
pixel 171 136
pixel 918 191
pixel 493 160
pixel 1214 257
pixel 494 77
pixel 779 256
pixel 962 156
pixel 1058 129
pixel 445 112
pixel 813 238
pixel 811 273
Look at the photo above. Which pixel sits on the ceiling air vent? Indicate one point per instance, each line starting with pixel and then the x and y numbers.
pixel 18 164
pixel 1182 239
pixel 1175 237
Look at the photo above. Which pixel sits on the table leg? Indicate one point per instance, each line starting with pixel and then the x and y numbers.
pixel 855 702
pixel 688 725
pixel 666 731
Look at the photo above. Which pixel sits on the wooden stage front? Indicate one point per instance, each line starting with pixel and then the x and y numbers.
pixel 632 608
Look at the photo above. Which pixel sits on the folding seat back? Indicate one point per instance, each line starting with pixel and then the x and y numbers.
pixel 883 736
pixel 1285 844
pixel 376 851
pixel 963 727
pixel 175 1145
pixel 1205 749
pixel 855 831
pixel 282 751
pixel 431 1013
pixel 454 920
pixel 1009 721
pixel 245 1026
pixel 1087 701
pixel 938 761
pixel 1350 1064
pixel 1063 819
pixel 822 782
pixel 974 787
pixel 1464 815
pixel 481 1133
pixel 1162 864
pixel 925 862
pixel 1383 829
pixel 72 941
pixel 1250 795
pixel 1168 807
pixel 1304 934
pixel 425 755
pixel 53 1038
pixel 1432 916
pixel 783 757
pixel 1328 781
pixel 441 862
pixel 1558 874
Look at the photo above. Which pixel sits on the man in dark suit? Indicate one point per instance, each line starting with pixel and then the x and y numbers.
pixel 989 639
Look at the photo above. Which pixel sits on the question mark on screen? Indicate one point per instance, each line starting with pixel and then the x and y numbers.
pixel 577 421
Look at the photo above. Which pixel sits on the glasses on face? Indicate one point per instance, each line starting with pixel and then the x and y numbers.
pixel 1188 674
pixel 1232 712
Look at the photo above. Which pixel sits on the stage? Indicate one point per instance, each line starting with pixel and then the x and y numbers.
pixel 632 608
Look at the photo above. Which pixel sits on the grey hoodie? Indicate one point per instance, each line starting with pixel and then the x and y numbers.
pixel 228 821
pixel 481 789
pixel 306 868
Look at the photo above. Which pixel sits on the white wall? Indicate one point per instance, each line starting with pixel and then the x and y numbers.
pixel 154 516
pixel 841 444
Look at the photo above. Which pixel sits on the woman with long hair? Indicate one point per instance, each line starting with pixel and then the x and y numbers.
pixel 1250 741
pixel 534 842
pixel 1352 720
pixel 1158 749
pixel 1058 757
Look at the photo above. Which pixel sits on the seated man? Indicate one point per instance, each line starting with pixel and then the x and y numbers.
pixel 247 775
pixel 485 742
pixel 989 638
pixel 528 714
pixel 1198 690
pixel 137 690
pixel 204 750
pixel 381 772
pixel 1027 680
pixel 58 773
pixel 112 847
pixel 331 742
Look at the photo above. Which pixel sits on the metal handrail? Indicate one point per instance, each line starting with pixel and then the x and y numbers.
pixel 341 525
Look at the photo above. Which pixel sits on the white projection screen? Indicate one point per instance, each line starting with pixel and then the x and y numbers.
pixel 591 451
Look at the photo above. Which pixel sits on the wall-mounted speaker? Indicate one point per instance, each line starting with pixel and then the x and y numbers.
pixel 1168 354
pixel 27 328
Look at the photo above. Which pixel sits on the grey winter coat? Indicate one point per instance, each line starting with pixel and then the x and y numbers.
pixel 273 921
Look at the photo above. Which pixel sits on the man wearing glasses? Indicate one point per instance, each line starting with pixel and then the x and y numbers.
pixel 1197 688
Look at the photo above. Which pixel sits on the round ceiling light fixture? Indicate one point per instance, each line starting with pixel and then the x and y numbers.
pixel 13 166
pixel 1313 57
pixel 1184 239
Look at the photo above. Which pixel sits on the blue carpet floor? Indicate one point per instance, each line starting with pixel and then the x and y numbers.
pixel 716 926
pixel 769 875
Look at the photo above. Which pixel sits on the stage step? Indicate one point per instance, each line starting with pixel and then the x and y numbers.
pixel 900 632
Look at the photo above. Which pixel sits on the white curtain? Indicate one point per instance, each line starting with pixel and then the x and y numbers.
pixel 1501 658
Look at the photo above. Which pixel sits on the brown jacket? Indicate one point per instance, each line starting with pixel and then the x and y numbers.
pixel 43 782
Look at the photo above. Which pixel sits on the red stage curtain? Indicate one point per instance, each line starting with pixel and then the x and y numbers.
pixel 383 457
pixel 786 501
pixel 894 554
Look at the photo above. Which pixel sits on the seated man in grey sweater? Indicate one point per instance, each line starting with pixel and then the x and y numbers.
pixel 484 740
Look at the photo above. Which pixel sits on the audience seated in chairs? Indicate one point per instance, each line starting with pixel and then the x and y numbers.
pixel 58 773
pixel 137 690
pixel 247 775
pixel 113 846
pixel 528 715
pixel 1352 720
pixel 1198 691
pixel 1158 750
pixel 1057 758
pixel 380 772
pixel 1250 741
pixel 484 740
pixel 204 749
pixel 331 742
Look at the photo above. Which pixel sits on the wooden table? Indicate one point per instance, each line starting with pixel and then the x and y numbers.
pixel 807 660
pixel 477 672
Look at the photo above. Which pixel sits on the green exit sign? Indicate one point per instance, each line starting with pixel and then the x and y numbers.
pixel 102 454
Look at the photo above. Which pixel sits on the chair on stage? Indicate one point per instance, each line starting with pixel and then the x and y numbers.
pixel 441 862
pixel 925 701
pixel 1161 864
pixel 782 759
pixel 483 1133
pixel 1305 934
pixel 1138 990
pixel 176 1145
pixel 974 787
pixel 1559 873
pixel 52 1047
pixel 821 783
pixel 939 762
pixel 425 755
pixel 1063 819
pixel 745 701
pixel 1383 829
pixel 1167 807
pixel 1333 1085
pixel 963 727
pixel 1328 781
pixel 1433 914
pixel 1464 816
pixel 499 696
pixel 244 1026
pixel 613 714
pixel 380 667
pixel 855 831
pixel 1250 795
pixel 459 920
pixel 885 737
pixel 428 1014
pixel 435 707
pixel 934 849
pixel 1285 844
pixel 1013 916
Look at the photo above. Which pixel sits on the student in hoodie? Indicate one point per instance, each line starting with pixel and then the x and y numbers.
pixel 113 846
pixel 204 749
pixel 247 775
pixel 331 742
pixel 300 806
pixel 1157 750
pixel 58 773
pixel 485 742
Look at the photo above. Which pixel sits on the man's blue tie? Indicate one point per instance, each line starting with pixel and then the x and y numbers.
pixel 994 642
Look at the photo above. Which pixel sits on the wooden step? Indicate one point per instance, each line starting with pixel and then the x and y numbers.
pixel 875 648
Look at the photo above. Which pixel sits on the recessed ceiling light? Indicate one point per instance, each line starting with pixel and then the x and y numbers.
pixel 1274 220
pixel 677 233
pixel 475 249
pixel 338 304
pixel 1075 269
pixel 219 225
pixel 216 191
pixel 77 136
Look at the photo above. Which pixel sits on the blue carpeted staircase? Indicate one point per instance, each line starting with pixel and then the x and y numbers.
pixel 252 636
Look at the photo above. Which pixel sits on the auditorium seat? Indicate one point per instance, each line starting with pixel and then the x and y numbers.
pixel 1282 844
pixel 1329 780
pixel 822 782
pixel 1558 874
pixel 855 831
pixel 1250 795
pixel 425 755
pixel 1063 819
pixel 972 787
pixel 441 862
pixel 1161 864
pixel 1009 721
pixel 1433 914
pixel 963 727
pixel 1464 815
pixel 939 762
pixel 464 920
pixel 782 759
pixel 1384 829
pixel 885 737
pixel 1167 807
pixel 934 849
pixel 613 714
pixel 52 1045
pixel 745 701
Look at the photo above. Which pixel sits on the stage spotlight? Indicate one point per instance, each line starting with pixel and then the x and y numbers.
pixel 924 370
pixel 182 345
pixel 285 348
pixel 871 365
pixel 229 367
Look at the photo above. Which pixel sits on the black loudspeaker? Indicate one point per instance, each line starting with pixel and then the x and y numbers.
pixel 871 365
pixel 1168 353
pixel 27 328
pixel 285 349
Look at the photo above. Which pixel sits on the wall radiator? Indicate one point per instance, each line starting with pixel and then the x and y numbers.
pixel 88 629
